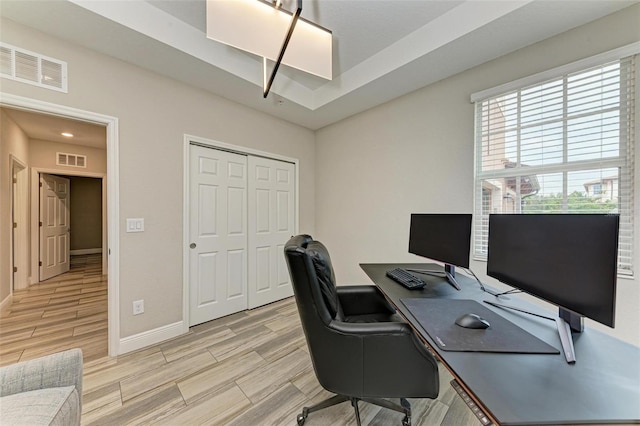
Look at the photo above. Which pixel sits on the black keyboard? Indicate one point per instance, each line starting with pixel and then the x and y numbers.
pixel 406 279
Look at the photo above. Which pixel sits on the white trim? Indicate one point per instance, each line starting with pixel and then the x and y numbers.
pixel 6 302
pixel 85 251
pixel 185 232
pixel 19 192
pixel 188 139
pixel 150 337
pixel 111 198
pixel 237 148
pixel 592 61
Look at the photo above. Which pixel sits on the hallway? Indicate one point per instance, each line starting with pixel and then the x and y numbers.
pixel 64 312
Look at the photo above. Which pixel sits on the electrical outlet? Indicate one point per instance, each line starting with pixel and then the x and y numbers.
pixel 138 307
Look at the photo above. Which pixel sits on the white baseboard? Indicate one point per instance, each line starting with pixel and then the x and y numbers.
pixel 6 302
pixel 85 251
pixel 151 337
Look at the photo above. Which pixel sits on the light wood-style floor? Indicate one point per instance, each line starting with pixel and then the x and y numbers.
pixel 249 368
pixel 64 312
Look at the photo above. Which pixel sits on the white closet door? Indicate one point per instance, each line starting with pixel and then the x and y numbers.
pixel 218 231
pixel 271 224
pixel 55 227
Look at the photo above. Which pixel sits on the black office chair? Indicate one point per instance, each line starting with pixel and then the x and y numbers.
pixel 360 348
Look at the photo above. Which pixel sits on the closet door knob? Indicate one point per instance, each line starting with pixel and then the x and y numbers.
pixel 192 245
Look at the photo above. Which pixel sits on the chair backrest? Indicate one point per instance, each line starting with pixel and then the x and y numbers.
pixel 313 282
pixel 324 278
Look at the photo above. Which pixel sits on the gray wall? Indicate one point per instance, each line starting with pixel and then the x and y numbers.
pixel 416 154
pixel 86 213
pixel 42 154
pixel 13 141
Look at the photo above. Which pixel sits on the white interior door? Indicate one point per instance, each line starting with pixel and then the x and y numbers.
pixel 55 226
pixel 218 234
pixel 271 224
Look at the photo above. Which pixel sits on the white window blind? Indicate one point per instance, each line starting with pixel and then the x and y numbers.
pixel 564 145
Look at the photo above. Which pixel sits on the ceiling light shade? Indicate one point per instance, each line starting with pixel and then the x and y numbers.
pixel 260 28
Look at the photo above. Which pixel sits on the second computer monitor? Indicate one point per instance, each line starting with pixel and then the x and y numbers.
pixel 442 237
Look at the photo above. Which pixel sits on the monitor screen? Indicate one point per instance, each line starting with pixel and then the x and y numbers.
pixel 442 237
pixel 569 260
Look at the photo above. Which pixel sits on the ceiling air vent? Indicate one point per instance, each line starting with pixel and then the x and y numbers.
pixel 32 68
pixel 72 160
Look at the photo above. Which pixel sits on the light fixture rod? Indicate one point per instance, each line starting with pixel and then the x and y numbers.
pixel 284 47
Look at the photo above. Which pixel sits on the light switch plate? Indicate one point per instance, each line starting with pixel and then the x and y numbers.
pixel 135 224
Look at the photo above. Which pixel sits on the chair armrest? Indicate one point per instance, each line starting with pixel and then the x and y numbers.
pixel 364 329
pixel 394 362
pixel 57 370
pixel 363 300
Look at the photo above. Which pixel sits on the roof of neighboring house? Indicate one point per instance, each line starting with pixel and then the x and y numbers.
pixel 601 180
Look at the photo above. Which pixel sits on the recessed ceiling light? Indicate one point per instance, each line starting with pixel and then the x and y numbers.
pixel 67 134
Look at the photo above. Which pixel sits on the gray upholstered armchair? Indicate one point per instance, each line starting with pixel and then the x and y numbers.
pixel 360 348
pixel 42 391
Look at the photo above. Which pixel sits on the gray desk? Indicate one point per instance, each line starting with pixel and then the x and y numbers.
pixel 603 386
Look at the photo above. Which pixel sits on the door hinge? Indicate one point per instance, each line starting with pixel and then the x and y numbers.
pixel 15 225
pixel 40 223
pixel 15 269
pixel 40 184
pixel 15 180
pixel 40 263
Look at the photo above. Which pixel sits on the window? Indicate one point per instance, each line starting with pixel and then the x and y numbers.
pixel 562 145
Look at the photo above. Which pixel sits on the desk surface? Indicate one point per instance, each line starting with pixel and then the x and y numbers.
pixel 603 386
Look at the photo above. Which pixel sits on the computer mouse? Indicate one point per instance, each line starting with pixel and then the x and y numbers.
pixel 472 321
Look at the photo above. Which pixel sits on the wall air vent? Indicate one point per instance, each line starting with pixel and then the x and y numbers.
pixel 72 160
pixel 32 68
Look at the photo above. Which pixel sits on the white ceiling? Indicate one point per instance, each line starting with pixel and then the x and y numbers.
pixel 50 128
pixel 382 48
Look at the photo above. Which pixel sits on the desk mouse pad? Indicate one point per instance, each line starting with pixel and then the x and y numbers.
pixel 438 318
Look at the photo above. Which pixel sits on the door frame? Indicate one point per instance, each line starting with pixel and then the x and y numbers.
pixel 20 211
pixel 112 196
pixel 237 149
pixel 35 214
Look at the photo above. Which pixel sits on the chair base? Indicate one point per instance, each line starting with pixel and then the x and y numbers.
pixel 403 407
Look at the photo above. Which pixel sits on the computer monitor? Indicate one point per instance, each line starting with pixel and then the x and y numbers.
pixel 569 260
pixel 442 237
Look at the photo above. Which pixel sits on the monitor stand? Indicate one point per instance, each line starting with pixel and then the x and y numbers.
pixel 566 322
pixel 449 274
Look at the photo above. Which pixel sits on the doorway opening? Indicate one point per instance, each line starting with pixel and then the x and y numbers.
pixel 71 221
pixel 110 190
